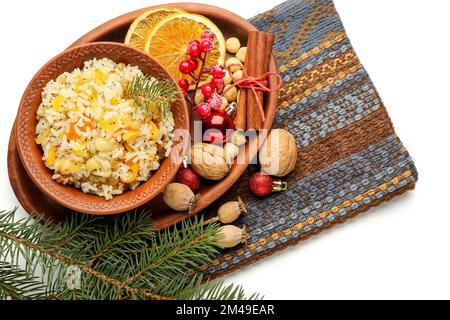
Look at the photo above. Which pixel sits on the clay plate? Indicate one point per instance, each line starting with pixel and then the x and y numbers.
pixel 31 154
pixel 115 30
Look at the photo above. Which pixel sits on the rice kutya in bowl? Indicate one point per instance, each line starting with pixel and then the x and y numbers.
pixel 96 137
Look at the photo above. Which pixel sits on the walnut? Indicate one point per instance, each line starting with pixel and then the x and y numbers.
pixel 209 161
pixel 278 153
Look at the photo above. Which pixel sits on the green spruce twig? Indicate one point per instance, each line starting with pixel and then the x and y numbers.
pixel 16 284
pixel 120 257
pixel 149 92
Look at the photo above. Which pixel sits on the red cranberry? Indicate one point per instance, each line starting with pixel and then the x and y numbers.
pixel 186 67
pixel 194 64
pixel 203 110
pixel 208 90
pixel 218 84
pixel 183 83
pixel 206 45
pixel 194 50
pixel 208 35
pixel 194 43
pixel 218 71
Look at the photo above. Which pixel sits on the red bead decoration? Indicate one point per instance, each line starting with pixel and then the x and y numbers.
pixel 215 102
pixel 261 184
pixel 194 43
pixel 193 64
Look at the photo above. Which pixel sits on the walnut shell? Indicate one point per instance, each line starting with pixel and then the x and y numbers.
pixel 209 161
pixel 278 153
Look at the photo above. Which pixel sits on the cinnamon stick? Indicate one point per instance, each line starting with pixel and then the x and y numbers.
pixel 241 110
pixel 251 70
pixel 270 38
pixel 260 61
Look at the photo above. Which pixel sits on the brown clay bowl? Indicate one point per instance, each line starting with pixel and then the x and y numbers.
pixel 231 25
pixel 37 204
pixel 31 154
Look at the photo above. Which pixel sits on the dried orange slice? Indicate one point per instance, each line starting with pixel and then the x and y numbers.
pixel 142 26
pixel 169 39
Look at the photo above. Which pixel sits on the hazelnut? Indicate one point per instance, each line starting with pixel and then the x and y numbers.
pixel 238 75
pixel 234 63
pixel 199 98
pixel 231 152
pixel 227 79
pixel 230 93
pixel 242 54
pixel 233 45
pixel 224 103
pixel 238 138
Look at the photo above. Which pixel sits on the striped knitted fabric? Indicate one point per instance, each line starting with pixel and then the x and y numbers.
pixel 349 157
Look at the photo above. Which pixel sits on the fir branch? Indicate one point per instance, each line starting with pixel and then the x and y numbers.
pixel 71 262
pixel 148 92
pixel 177 251
pixel 120 257
pixel 16 284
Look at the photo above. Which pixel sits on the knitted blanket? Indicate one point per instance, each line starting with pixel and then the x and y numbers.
pixel 349 159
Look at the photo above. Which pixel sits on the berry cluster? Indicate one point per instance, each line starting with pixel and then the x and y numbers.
pixel 197 52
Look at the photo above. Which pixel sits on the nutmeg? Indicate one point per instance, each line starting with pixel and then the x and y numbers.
pixel 180 197
pixel 209 161
pixel 278 153
pixel 230 236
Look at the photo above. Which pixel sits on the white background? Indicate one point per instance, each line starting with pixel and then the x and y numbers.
pixel 400 250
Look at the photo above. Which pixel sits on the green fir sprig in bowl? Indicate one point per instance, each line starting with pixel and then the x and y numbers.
pixel 151 94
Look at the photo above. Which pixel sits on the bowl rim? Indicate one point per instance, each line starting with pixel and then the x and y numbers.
pixel 81 202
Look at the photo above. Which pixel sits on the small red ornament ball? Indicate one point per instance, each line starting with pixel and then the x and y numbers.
pixel 218 126
pixel 261 184
pixel 189 177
